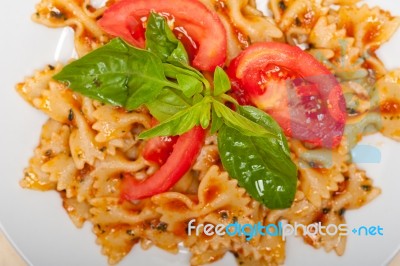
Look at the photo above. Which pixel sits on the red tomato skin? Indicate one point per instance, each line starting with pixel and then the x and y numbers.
pixel 178 163
pixel 158 149
pixel 292 113
pixel 122 19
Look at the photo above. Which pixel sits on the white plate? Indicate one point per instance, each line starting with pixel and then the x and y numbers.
pixel 41 230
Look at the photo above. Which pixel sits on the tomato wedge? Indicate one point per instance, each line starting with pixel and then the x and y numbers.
pixel 301 94
pixel 125 19
pixel 178 163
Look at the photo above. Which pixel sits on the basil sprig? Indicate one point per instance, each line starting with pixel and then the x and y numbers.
pixel 253 148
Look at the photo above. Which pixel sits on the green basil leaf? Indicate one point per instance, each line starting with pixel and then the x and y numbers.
pixel 168 103
pixel 262 165
pixel 189 85
pixel 239 122
pixel 172 69
pixel 162 41
pixel 179 55
pixel 197 98
pixel 118 74
pixel 222 82
pixel 181 122
pixel 228 98
pixel 205 115
pixel 260 117
pixel 216 122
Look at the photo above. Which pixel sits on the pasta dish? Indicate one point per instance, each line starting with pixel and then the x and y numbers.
pixel 181 112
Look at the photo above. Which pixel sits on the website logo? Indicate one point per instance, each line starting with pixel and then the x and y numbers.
pixel 281 229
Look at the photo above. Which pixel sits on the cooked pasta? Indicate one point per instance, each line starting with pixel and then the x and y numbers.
pixel 86 146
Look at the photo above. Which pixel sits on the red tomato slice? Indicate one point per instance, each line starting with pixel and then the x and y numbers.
pixel 178 163
pixel 293 87
pixel 157 150
pixel 126 18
